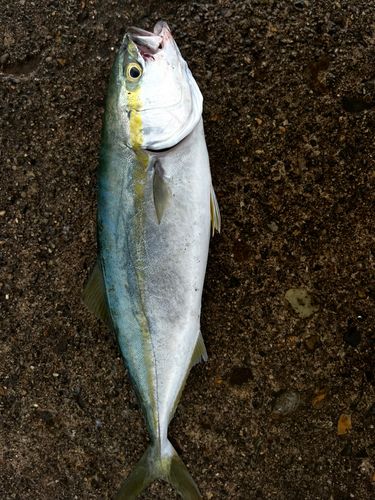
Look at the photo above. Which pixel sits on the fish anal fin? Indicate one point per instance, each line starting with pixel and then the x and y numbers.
pixel 199 352
pixel 162 190
pixel 94 296
pixel 215 212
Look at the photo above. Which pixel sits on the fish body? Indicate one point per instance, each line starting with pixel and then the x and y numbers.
pixel 155 206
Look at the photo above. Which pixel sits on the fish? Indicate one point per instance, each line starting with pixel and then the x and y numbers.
pixel 156 211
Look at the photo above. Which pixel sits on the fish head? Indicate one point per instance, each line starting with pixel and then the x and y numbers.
pixel 161 100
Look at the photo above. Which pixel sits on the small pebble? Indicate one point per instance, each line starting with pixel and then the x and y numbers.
pixel 2 213
pixel 273 226
pixel 303 303
pixel 226 12
pixel 312 343
pixel 4 59
pixel 259 121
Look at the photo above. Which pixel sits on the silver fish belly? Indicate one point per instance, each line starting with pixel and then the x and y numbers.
pixel 155 211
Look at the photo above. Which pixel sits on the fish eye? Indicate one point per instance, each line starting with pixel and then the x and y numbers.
pixel 133 72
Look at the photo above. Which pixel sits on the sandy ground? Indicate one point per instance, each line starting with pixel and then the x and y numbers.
pixel 289 91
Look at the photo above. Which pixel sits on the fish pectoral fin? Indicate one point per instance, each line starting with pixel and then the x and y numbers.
pixel 94 296
pixel 162 190
pixel 215 212
pixel 199 352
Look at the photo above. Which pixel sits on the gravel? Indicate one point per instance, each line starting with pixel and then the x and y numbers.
pixel 289 118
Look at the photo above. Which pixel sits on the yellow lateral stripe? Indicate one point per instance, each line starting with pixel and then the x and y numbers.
pixel 140 175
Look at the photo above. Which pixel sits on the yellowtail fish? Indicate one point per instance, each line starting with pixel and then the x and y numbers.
pixel 156 209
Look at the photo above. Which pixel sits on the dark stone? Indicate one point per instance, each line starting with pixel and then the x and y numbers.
pixel 371 410
pixel 362 454
pixel 352 336
pixel 240 375
pixel 234 282
pixel 298 5
pixel 308 188
pixel 134 406
pixel 347 450
pixel 47 417
pixel 355 104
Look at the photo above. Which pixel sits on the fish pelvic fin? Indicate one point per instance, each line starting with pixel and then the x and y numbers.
pixel 154 465
pixel 94 296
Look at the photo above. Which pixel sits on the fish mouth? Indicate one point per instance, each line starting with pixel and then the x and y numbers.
pixel 147 43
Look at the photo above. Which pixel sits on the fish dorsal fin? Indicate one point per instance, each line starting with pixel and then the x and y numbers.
pixel 162 190
pixel 215 212
pixel 94 296
pixel 199 352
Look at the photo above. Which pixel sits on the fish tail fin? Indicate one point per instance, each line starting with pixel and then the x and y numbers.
pixel 152 466
pixel 181 480
pixel 138 480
